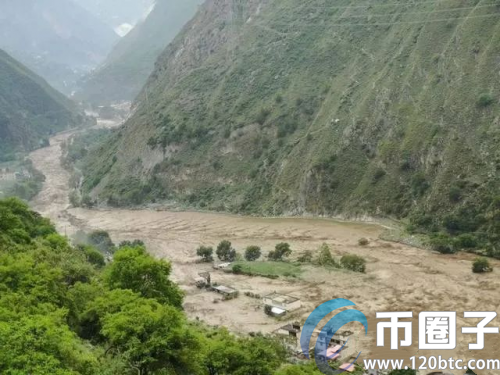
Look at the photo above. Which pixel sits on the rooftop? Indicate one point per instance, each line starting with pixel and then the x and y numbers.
pixel 225 289
pixel 290 328
pixel 281 298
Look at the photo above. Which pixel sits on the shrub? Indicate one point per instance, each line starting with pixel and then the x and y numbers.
pixel 102 241
pixel 485 100
pixel 363 241
pixel 282 250
pixel 377 176
pixel 353 262
pixel 252 253
pixel 92 255
pixel 237 269
pixel 455 194
pixel 263 115
pixel 419 184
pixel 307 257
pixel 466 241
pixel 443 243
pixel 206 253
pixel 325 257
pixel 481 265
pixel 134 243
pixel 225 252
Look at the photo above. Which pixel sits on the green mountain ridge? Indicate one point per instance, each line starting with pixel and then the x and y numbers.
pixel 293 107
pixel 30 109
pixel 126 69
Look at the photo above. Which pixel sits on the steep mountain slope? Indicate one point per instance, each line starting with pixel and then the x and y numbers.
pixel 57 39
pixel 291 106
pixel 30 109
pixel 127 68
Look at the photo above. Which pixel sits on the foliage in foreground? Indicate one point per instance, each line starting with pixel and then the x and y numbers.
pixel 63 311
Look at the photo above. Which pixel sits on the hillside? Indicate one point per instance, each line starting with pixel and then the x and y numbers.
pixel 125 71
pixel 295 107
pixel 30 110
pixel 80 314
pixel 58 40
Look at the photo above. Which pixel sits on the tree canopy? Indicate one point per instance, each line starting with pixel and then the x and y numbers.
pixel 65 311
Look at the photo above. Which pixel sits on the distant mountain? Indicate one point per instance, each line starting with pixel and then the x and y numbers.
pixel 57 39
pixel 117 12
pixel 30 109
pixel 128 66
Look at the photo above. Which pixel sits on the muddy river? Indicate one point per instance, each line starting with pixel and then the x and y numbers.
pixel 398 277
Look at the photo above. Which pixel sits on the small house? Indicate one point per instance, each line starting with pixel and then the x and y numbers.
pixel 291 330
pixel 280 304
pixel 228 293
pixel 290 335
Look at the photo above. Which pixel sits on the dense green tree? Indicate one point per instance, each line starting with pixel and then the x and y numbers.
pixel 101 240
pixel 135 269
pixel 252 253
pixel 92 255
pixel 228 355
pixel 353 262
pixel 151 336
pixel 325 257
pixel 443 243
pixel 305 369
pixel 206 253
pixel 43 344
pixel 281 251
pixel 64 312
pixel 225 251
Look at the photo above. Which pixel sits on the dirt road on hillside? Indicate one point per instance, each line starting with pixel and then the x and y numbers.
pixel 398 278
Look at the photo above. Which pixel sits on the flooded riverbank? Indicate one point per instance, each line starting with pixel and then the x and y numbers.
pixel 398 277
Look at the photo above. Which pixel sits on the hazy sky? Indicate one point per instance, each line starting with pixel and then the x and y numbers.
pixel 116 13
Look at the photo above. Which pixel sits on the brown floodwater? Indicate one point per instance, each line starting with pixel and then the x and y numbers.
pixel 398 277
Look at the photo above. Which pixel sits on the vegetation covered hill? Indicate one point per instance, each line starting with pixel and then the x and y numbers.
pixel 59 40
pixel 126 70
pixel 64 310
pixel 30 110
pixel 346 108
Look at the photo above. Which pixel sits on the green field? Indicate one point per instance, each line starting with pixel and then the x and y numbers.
pixel 269 269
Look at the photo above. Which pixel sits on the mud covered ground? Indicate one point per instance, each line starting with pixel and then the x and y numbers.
pixel 398 277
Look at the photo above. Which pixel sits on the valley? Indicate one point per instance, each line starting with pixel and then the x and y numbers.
pixel 337 149
pixel 398 277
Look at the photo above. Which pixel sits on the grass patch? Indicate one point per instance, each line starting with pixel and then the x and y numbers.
pixel 268 269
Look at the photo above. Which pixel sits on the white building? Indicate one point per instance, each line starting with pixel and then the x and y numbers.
pixel 281 302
